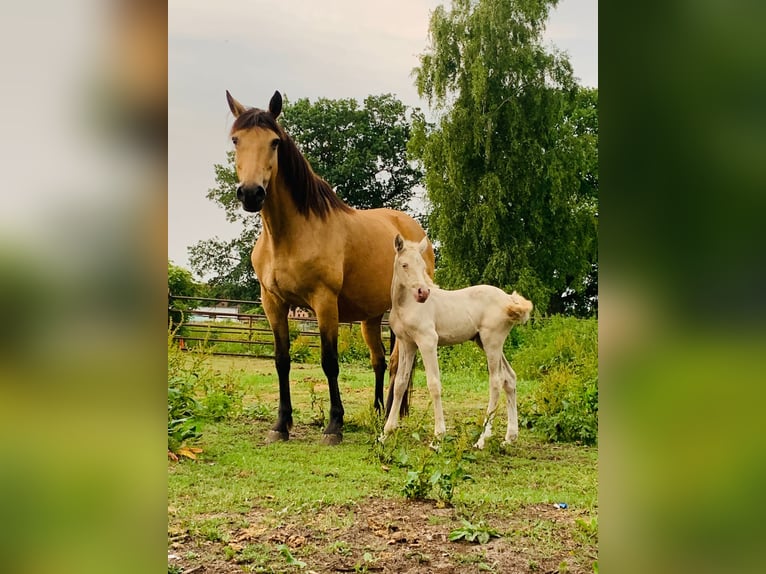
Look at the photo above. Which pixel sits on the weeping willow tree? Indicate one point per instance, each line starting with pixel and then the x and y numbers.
pixel 511 165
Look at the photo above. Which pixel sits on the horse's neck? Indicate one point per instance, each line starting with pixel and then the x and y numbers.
pixel 279 215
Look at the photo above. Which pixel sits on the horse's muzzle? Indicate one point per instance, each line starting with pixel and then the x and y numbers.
pixel 252 197
pixel 421 294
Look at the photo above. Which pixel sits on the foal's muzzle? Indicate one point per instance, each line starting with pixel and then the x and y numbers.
pixel 421 294
pixel 252 197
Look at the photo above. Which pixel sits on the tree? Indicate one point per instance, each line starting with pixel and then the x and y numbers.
pixel 362 152
pixel 511 166
pixel 180 282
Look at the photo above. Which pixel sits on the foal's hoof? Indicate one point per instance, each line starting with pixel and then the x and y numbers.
pixel 277 436
pixel 332 439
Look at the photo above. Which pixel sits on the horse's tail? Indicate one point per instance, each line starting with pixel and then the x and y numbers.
pixel 518 308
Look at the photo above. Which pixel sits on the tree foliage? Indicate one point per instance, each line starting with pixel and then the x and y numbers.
pixel 360 151
pixel 511 166
pixel 180 282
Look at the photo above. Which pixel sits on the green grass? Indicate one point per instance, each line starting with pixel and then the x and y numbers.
pixel 238 480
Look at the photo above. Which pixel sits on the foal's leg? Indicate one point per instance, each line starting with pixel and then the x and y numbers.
pixel 496 369
pixel 276 312
pixel 407 350
pixel 431 364
pixel 509 385
pixel 327 318
pixel 373 338
pixel 394 366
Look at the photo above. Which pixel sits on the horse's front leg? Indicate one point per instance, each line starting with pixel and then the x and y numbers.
pixel 394 366
pixel 327 318
pixel 407 350
pixel 276 312
pixel 431 363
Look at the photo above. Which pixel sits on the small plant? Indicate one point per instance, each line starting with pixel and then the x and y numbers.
pixel 174 569
pixel 258 411
pixel 291 560
pixel 589 529
pixel 317 404
pixel 480 532
pixel 436 474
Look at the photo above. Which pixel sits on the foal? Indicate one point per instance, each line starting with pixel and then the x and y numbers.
pixel 423 316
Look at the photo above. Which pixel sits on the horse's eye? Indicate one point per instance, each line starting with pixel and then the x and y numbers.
pixel 405 265
pixel 235 141
pixel 274 143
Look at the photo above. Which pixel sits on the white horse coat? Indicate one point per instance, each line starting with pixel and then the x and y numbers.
pixel 424 317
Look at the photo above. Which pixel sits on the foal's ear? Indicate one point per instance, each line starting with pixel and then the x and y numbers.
pixel 423 245
pixel 275 105
pixel 235 107
pixel 398 243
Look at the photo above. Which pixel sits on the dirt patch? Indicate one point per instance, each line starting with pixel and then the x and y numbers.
pixel 389 536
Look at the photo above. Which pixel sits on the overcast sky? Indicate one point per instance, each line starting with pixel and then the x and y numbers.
pixel 305 49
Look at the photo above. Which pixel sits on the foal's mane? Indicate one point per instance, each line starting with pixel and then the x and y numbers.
pixel 311 193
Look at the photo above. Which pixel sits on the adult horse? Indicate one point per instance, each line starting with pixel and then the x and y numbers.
pixel 314 251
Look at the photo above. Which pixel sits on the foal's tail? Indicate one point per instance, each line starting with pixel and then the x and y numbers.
pixel 518 308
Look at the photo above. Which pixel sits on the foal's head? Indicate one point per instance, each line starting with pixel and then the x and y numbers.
pixel 256 137
pixel 410 268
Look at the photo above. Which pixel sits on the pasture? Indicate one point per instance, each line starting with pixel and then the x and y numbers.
pixel 362 506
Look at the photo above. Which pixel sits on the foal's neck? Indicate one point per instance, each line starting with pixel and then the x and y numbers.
pixel 400 294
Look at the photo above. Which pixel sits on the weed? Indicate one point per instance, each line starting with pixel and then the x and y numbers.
pixel 587 530
pixel 480 532
pixel 258 412
pixel 257 554
pixel 291 560
pixel 317 403
pixel 341 548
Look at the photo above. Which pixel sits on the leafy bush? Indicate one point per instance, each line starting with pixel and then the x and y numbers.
pixel 561 354
pixel 351 345
pixel 195 394
pixel 302 352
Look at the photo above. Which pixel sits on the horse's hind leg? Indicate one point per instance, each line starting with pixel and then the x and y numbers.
pixel 276 312
pixel 373 337
pixel 496 369
pixel 393 368
pixel 509 386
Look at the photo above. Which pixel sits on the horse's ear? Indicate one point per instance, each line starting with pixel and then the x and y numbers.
pixel 235 107
pixel 398 243
pixel 275 105
pixel 423 245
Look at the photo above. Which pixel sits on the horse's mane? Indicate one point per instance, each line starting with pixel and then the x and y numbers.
pixel 311 193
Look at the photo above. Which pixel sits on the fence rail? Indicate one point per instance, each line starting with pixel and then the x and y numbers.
pixel 207 328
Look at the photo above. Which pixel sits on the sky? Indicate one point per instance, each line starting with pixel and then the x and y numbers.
pixel 304 49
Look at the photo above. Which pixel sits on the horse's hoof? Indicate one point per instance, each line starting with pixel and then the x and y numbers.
pixel 332 439
pixel 277 436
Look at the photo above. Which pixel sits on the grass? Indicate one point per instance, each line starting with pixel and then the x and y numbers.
pixel 322 494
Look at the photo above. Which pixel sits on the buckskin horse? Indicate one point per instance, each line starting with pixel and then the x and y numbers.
pixel 314 251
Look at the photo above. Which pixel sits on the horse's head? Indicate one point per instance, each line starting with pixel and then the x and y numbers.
pixel 256 137
pixel 410 268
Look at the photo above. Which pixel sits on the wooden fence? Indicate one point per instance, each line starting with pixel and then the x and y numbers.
pixel 248 330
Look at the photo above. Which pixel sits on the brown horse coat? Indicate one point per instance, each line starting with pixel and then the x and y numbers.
pixel 314 251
